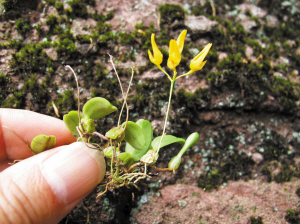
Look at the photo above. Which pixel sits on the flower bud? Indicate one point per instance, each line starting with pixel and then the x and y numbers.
pixel 150 157
pixel 191 141
pixel 88 125
pixel 174 162
pixel 108 152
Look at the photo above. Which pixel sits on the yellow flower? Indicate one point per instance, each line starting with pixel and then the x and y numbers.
pixel 180 40
pixel 157 56
pixel 197 63
pixel 174 55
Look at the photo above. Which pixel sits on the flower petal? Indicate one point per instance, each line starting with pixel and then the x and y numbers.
pixel 197 62
pixel 174 55
pixel 158 56
pixel 152 59
pixel 180 40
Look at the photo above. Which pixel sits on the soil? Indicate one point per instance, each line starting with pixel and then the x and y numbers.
pixel 245 103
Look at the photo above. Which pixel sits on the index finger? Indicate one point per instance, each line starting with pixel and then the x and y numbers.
pixel 27 125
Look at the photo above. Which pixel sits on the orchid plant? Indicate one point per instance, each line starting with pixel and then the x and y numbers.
pixel 129 165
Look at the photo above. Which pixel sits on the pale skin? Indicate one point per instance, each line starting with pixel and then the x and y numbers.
pixel 43 188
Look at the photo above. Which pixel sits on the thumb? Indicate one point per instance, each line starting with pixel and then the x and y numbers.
pixel 45 187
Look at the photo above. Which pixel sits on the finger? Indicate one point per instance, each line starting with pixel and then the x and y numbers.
pixel 27 125
pixel 45 187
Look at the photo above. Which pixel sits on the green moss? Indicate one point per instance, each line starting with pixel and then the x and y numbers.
pixel 223 161
pixel 145 36
pixel 266 171
pixel 205 10
pixel 171 12
pixel 101 17
pixel 192 102
pixel 258 220
pixel 79 8
pixel 66 101
pixel 39 29
pixel 50 2
pixel 66 45
pixel 231 40
pixel 274 146
pixel 298 191
pixel 84 38
pixel 4 81
pixel 31 57
pixel 10 4
pixel 23 26
pixel 39 92
pixel 52 22
pixel 285 174
pixel 127 38
pixel 293 216
pixel 17 100
pixel 59 7
pixel 283 90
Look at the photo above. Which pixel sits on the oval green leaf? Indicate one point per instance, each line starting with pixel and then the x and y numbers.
pixel 97 107
pixel 41 143
pixel 167 140
pixel 134 135
pixel 147 130
pixel 115 132
pixel 72 121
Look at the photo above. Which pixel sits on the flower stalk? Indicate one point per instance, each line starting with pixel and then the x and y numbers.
pixel 175 50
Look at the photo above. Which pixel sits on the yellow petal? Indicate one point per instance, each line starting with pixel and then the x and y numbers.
pixel 180 40
pixel 151 57
pixel 197 63
pixel 157 55
pixel 174 55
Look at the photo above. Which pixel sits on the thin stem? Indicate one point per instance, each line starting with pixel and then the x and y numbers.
pixel 167 114
pixel 78 92
pixel 125 99
pixel 112 161
pixel 188 73
pixel 164 72
pixel 111 61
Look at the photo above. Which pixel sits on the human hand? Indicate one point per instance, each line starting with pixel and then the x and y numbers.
pixel 43 188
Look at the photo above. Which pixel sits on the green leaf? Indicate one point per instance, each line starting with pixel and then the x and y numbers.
pixel 72 121
pixel 167 140
pixel 97 107
pixel 134 135
pixel 108 152
pixel 126 159
pixel 148 133
pixel 41 143
pixel 115 132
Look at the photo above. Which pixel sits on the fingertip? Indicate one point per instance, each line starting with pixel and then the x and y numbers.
pixel 74 171
pixel 47 186
pixel 19 127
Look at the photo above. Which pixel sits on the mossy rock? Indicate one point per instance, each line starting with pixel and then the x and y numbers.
pixel 171 12
pixel 293 216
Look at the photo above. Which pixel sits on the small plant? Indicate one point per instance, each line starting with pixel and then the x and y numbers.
pixel 128 166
